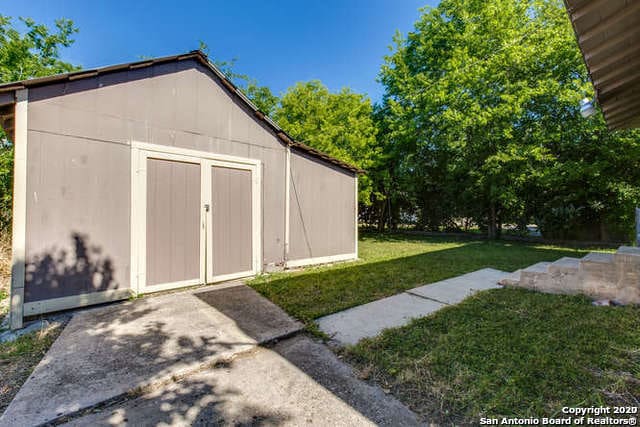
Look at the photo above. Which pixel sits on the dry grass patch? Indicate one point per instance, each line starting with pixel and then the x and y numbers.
pixel 18 359
pixel 5 272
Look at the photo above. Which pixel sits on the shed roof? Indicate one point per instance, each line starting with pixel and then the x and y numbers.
pixel 196 55
pixel 608 33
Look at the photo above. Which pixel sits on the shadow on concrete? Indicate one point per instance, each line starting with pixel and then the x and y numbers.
pixel 108 351
pixel 197 400
pixel 260 318
pixel 191 358
pixel 255 315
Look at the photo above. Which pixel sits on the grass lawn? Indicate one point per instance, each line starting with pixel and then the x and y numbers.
pixel 391 264
pixel 509 352
pixel 506 352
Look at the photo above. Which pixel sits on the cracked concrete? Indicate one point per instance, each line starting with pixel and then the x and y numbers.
pixel 196 358
pixel 297 382
pixel 107 351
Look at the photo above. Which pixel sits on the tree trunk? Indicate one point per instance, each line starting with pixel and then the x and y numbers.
pixel 492 226
pixel 381 220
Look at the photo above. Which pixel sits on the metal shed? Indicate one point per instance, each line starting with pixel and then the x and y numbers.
pixel 156 175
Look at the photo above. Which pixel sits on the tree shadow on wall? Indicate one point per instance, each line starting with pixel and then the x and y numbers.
pixel 62 272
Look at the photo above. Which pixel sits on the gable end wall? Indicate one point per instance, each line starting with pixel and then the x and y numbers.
pixel 79 166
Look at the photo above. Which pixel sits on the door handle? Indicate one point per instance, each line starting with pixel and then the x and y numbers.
pixel 206 207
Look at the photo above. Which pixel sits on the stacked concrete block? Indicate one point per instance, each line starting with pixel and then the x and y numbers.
pixel 535 276
pixel 599 275
pixel 627 260
pixel 564 277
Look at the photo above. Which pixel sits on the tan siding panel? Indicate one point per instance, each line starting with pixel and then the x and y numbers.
pixel 322 204
pixel 173 221
pixel 78 205
pixel 141 105
pixel 273 200
pixel 231 229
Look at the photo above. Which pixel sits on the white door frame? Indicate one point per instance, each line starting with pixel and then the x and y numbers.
pixel 140 152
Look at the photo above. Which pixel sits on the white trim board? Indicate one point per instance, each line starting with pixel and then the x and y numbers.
pixel 356 216
pixel 287 203
pixel 169 149
pixel 321 260
pixel 19 237
pixel 73 301
pixel 232 276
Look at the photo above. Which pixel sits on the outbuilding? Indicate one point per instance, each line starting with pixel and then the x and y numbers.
pixel 156 175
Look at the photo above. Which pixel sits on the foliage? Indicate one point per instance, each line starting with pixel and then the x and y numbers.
pixel 261 96
pixel 340 124
pixel 34 52
pixel 481 108
pixel 6 183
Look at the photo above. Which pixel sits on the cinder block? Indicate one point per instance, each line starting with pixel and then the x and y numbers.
pixel 535 277
pixel 512 279
pixel 564 276
pixel 598 274
pixel 627 261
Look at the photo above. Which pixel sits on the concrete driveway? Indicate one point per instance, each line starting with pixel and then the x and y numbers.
pixel 221 355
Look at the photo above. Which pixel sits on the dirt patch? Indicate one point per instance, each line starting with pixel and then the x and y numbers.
pixel 5 272
pixel 18 359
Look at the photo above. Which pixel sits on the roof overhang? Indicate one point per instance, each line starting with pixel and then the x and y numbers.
pixel 608 33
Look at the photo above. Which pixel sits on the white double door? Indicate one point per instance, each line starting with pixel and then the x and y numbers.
pixel 196 218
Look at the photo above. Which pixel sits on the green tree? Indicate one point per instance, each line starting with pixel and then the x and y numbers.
pixel 483 98
pixel 261 96
pixel 340 124
pixel 34 52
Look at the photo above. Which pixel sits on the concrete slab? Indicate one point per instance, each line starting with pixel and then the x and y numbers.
pixel 454 290
pixel 320 363
pixel 511 279
pixel 107 351
pixel 368 320
pixel 598 257
pixel 539 267
pixel 298 382
pixel 255 315
pixel 631 250
pixel 564 265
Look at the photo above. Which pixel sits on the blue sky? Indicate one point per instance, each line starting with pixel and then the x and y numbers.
pixel 276 42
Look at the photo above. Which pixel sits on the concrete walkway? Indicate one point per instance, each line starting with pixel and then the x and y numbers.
pixel 193 357
pixel 297 382
pixel 368 320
